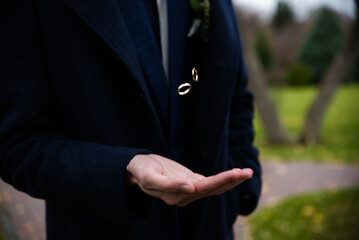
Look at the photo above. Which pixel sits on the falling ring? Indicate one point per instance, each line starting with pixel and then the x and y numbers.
pixel 195 74
pixel 184 88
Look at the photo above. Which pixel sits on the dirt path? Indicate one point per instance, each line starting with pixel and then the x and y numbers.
pixel 23 217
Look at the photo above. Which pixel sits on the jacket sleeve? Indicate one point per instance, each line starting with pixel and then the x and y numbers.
pixel 34 156
pixel 242 151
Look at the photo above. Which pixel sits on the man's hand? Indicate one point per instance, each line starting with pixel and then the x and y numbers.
pixel 175 184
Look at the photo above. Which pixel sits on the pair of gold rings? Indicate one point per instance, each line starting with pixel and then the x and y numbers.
pixel 185 88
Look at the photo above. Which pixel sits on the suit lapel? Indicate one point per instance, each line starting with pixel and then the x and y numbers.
pixel 107 19
pixel 139 26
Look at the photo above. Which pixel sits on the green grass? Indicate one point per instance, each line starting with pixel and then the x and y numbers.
pixel 330 215
pixel 339 133
pixel 2 232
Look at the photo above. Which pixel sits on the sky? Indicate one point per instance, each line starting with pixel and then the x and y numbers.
pixel 302 7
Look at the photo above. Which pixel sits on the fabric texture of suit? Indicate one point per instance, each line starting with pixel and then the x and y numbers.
pixel 83 90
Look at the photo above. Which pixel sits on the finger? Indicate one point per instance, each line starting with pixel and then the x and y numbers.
pixel 245 174
pixel 178 199
pixel 228 185
pixel 222 181
pixel 173 191
pixel 169 198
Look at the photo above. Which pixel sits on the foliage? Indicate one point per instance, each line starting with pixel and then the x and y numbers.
pixel 2 233
pixel 283 15
pixel 325 215
pixel 263 49
pixel 355 72
pixel 201 9
pixel 322 43
pixel 340 129
pixel 353 75
pixel 298 74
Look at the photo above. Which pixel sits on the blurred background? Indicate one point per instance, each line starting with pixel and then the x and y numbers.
pixel 303 64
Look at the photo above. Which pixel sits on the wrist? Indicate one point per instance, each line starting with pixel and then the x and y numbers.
pixel 130 179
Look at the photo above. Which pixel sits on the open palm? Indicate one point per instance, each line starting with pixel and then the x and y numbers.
pixel 175 184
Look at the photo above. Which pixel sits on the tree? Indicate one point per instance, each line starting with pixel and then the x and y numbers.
pixel 336 73
pixel 322 43
pixel 332 78
pixel 283 15
pixel 276 133
pixel 263 49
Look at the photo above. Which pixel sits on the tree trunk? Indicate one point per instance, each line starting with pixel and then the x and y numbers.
pixel 328 86
pixel 276 133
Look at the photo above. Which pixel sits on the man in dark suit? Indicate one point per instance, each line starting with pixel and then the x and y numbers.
pixel 91 120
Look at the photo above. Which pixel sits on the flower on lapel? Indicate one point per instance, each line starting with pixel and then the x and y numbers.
pixel 201 9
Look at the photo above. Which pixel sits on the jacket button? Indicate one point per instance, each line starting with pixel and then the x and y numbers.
pixel 204 155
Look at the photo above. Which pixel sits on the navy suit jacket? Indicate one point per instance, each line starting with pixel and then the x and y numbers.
pixel 83 90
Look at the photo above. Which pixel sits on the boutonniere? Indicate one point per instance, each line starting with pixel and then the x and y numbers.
pixel 201 9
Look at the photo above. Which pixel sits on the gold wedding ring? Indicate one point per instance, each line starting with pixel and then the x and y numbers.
pixel 195 74
pixel 184 88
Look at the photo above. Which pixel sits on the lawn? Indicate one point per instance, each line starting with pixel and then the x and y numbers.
pixel 339 133
pixel 318 216
pixel 2 233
